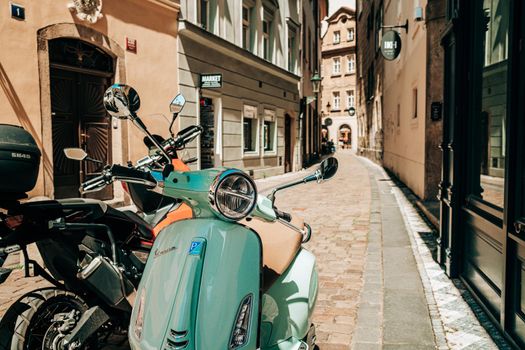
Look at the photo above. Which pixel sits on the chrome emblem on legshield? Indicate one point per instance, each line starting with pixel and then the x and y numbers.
pixel 195 248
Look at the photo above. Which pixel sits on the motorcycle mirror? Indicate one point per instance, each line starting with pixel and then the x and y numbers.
pixel 328 168
pixel 177 104
pixel 75 153
pixel 121 101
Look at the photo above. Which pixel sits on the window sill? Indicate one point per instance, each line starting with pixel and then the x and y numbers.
pixel 336 75
pixel 335 110
pixel 250 155
pixel 350 73
pixel 270 153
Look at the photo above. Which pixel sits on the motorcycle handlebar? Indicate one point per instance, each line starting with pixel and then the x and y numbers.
pixel 119 172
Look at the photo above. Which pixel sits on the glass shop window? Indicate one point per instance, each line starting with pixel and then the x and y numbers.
pixel 490 67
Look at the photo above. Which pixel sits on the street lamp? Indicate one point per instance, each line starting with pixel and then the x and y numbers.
pixel 316 82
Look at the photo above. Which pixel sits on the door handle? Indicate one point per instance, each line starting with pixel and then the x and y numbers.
pixel 519 226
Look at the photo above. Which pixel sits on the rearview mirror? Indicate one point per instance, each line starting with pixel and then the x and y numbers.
pixel 121 101
pixel 177 104
pixel 328 168
pixel 75 153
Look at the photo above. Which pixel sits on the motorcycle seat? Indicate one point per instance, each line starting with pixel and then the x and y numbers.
pixel 144 230
pixel 280 245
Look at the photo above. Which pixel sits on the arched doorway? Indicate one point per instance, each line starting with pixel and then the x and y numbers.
pixel 79 74
pixel 345 136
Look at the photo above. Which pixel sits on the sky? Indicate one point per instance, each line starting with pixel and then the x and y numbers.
pixel 334 5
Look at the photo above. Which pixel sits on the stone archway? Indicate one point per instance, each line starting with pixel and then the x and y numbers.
pixel 345 136
pixel 92 37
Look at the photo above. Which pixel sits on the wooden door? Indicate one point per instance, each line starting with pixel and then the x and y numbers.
pixel 78 120
pixel 288 150
pixel 207 121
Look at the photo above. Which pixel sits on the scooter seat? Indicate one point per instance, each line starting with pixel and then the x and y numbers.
pixel 280 245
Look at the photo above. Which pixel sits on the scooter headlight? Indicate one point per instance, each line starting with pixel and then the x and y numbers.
pixel 233 195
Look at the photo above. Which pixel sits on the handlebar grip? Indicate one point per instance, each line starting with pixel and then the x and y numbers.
pixel 122 173
pixel 283 215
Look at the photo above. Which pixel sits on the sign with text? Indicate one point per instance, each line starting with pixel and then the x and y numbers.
pixel 18 12
pixel 391 45
pixel 211 80
pixel 131 45
pixel 436 109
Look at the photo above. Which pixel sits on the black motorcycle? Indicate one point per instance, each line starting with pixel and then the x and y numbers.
pixel 94 255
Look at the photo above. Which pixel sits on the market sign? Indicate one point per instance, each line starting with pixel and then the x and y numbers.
pixel 211 80
pixel 391 45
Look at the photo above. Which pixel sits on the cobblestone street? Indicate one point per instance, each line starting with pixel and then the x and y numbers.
pixel 379 287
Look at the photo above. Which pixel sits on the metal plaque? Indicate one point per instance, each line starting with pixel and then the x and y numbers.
pixel 211 80
pixel 18 12
pixel 391 45
pixel 436 109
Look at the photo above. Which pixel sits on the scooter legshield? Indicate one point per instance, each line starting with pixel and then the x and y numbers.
pixel 199 275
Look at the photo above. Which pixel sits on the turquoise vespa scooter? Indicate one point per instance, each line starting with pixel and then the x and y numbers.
pixel 235 275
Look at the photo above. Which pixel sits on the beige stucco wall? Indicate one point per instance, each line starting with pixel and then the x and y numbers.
pixel 343 82
pixel 404 142
pixel 24 75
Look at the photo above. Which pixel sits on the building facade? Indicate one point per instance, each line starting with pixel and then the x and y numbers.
pixel 412 84
pixel 369 79
pixel 254 119
pixel 339 79
pixel 57 59
pixel 482 232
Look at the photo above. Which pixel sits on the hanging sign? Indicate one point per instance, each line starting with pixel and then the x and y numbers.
pixel 391 45
pixel 211 80
pixel 351 111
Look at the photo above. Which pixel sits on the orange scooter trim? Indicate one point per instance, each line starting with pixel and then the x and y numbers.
pixel 182 212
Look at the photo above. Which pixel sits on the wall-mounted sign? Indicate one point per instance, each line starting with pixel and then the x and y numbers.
pixel 391 45
pixel 211 80
pixel 328 121
pixel 436 109
pixel 131 45
pixel 351 111
pixel 18 12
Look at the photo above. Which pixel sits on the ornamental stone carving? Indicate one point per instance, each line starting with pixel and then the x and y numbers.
pixel 87 10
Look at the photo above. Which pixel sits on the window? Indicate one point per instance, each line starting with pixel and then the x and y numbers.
pixel 204 11
pixel 291 49
pixel 266 39
pixel 337 66
pixel 246 27
pixel 350 98
pixel 398 116
pixel 250 129
pixel 336 101
pixel 350 34
pixel 414 103
pixel 269 129
pixel 351 64
pixel 337 37
pixel 370 83
pixel 378 29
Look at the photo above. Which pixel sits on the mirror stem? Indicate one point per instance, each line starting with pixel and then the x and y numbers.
pixel 138 122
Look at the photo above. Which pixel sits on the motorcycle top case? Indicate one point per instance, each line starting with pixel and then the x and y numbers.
pixel 19 161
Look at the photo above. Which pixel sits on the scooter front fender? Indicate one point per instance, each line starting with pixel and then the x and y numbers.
pixel 197 276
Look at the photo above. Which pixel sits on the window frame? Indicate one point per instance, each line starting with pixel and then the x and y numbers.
pixel 350 93
pixel 350 59
pixel 252 110
pixel 337 37
pixel 336 62
pixel 336 97
pixel 270 116
pixel 348 36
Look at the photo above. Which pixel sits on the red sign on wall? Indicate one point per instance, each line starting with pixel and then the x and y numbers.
pixel 131 45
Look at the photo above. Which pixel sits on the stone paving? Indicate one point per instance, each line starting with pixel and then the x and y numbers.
pixel 339 213
pixel 364 293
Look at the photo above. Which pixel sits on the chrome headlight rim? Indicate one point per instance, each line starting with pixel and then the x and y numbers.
pixel 216 184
